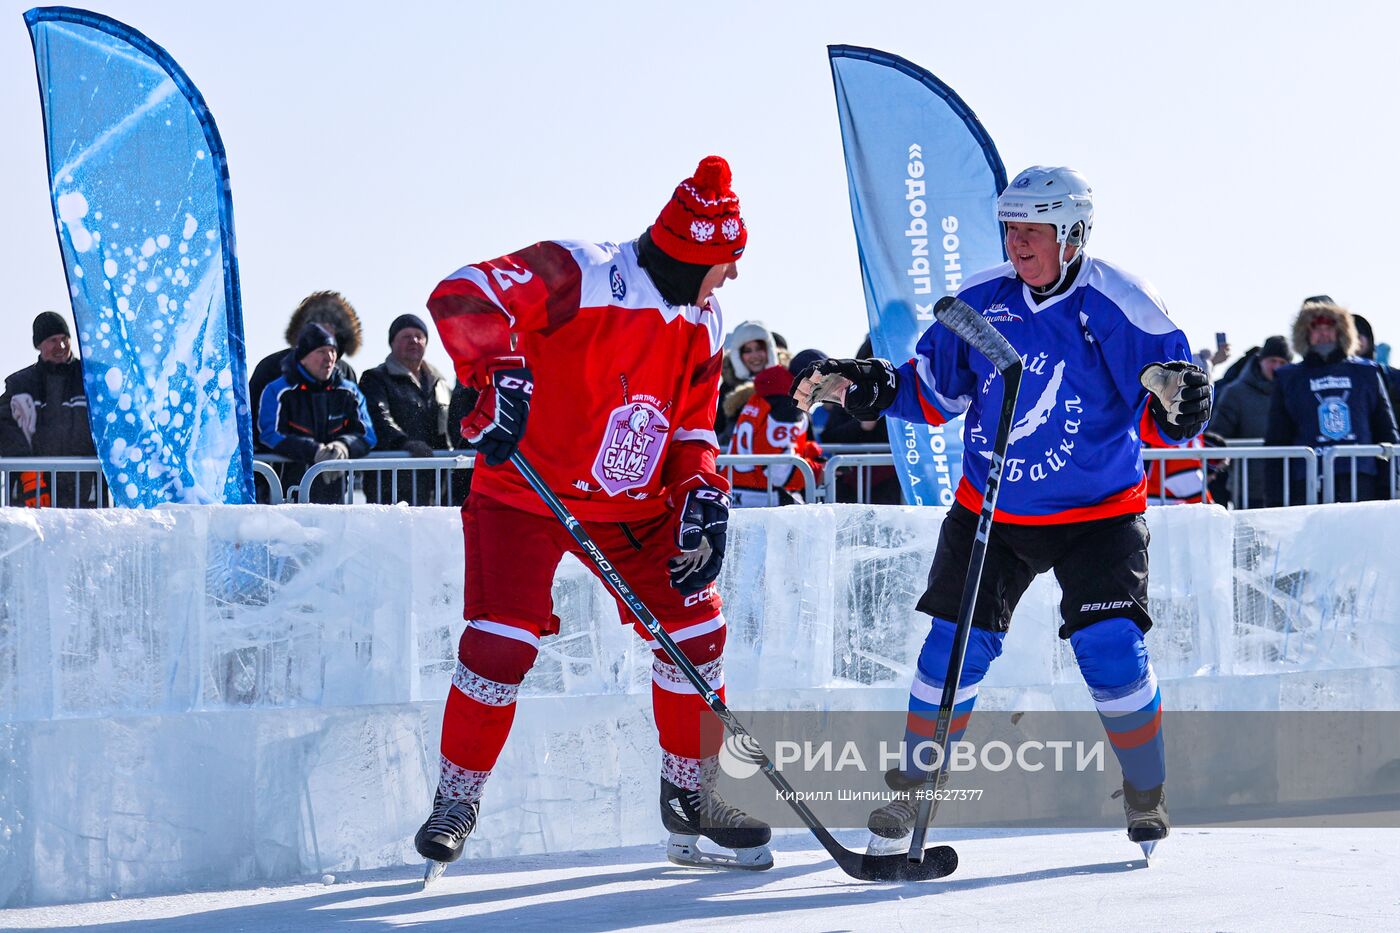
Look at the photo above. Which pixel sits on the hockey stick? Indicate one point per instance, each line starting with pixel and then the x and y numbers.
pixel 965 321
pixel 935 863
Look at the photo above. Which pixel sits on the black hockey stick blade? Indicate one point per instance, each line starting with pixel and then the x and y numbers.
pixel 938 862
pixel 965 321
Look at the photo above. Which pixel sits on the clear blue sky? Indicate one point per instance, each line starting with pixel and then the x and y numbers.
pixel 1240 153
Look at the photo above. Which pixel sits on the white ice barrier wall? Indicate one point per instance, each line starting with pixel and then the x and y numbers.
pixel 230 695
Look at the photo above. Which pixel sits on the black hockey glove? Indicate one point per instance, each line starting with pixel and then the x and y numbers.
pixel 496 425
pixel 1180 397
pixel 870 386
pixel 700 534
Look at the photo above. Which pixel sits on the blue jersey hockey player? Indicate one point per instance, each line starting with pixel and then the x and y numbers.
pixel 1072 492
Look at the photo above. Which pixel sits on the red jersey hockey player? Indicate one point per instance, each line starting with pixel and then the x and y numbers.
pixel 611 354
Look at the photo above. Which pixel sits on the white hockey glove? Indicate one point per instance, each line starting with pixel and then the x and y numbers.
pixel 1180 397
pixel 865 387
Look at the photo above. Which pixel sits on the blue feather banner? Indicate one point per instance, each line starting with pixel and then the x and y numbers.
pixel 140 191
pixel 924 177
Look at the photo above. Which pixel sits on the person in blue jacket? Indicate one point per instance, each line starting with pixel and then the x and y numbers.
pixel 1332 397
pixel 1072 490
pixel 311 413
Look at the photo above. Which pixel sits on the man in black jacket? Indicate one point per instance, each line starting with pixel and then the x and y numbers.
pixel 310 413
pixel 1242 409
pixel 1331 398
pixel 44 413
pixel 408 402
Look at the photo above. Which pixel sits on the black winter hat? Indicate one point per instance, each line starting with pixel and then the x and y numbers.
pixel 407 320
pixel 49 324
pixel 802 359
pixel 1363 328
pixel 1276 346
pixel 314 337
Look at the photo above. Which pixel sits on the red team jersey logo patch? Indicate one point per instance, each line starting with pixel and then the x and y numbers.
pixel 631 449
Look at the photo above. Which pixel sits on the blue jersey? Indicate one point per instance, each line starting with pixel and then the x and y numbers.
pixel 1076 446
pixel 1323 402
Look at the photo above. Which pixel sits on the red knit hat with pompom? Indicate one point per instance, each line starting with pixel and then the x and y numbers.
pixel 775 380
pixel 701 222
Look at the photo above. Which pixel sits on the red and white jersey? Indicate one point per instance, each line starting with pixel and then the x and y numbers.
pixel 1183 481
pixel 626 386
pixel 757 431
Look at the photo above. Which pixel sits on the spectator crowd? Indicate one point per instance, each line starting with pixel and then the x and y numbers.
pixel 1326 384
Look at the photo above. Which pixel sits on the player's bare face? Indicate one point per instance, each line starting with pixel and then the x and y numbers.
pixel 716 278
pixel 1035 253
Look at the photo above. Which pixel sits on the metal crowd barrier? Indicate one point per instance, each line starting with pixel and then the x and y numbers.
pixel 729 462
pixel 48 470
pixel 275 495
pixel 1318 465
pixel 1238 457
pixel 832 449
pixel 78 467
pixel 1390 453
pixel 392 462
pixel 864 461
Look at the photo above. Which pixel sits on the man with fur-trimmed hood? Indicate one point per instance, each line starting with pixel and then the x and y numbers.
pixel 328 308
pixel 1331 398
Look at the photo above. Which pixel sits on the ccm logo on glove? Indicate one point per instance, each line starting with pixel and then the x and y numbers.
pixel 496 425
pixel 701 530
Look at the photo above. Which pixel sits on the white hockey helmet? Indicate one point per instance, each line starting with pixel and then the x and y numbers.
pixel 1050 195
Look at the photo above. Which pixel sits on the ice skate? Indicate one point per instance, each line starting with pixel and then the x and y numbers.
pixel 441 838
pixel 690 814
pixel 891 825
pixel 1146 811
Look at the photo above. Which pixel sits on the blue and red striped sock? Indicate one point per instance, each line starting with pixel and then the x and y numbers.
pixel 1113 659
pixel 926 692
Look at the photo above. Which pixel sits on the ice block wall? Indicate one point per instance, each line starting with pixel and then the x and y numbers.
pixel 199 696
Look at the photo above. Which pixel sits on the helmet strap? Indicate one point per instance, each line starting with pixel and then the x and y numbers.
pixel 1065 266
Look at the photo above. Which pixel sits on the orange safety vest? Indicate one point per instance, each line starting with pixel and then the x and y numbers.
pixel 34 491
pixel 1185 479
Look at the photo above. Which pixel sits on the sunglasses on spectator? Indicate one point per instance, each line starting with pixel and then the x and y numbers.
pixel 1322 321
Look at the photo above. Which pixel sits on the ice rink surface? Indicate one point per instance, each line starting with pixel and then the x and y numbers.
pixel 1217 879
pixel 263 690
